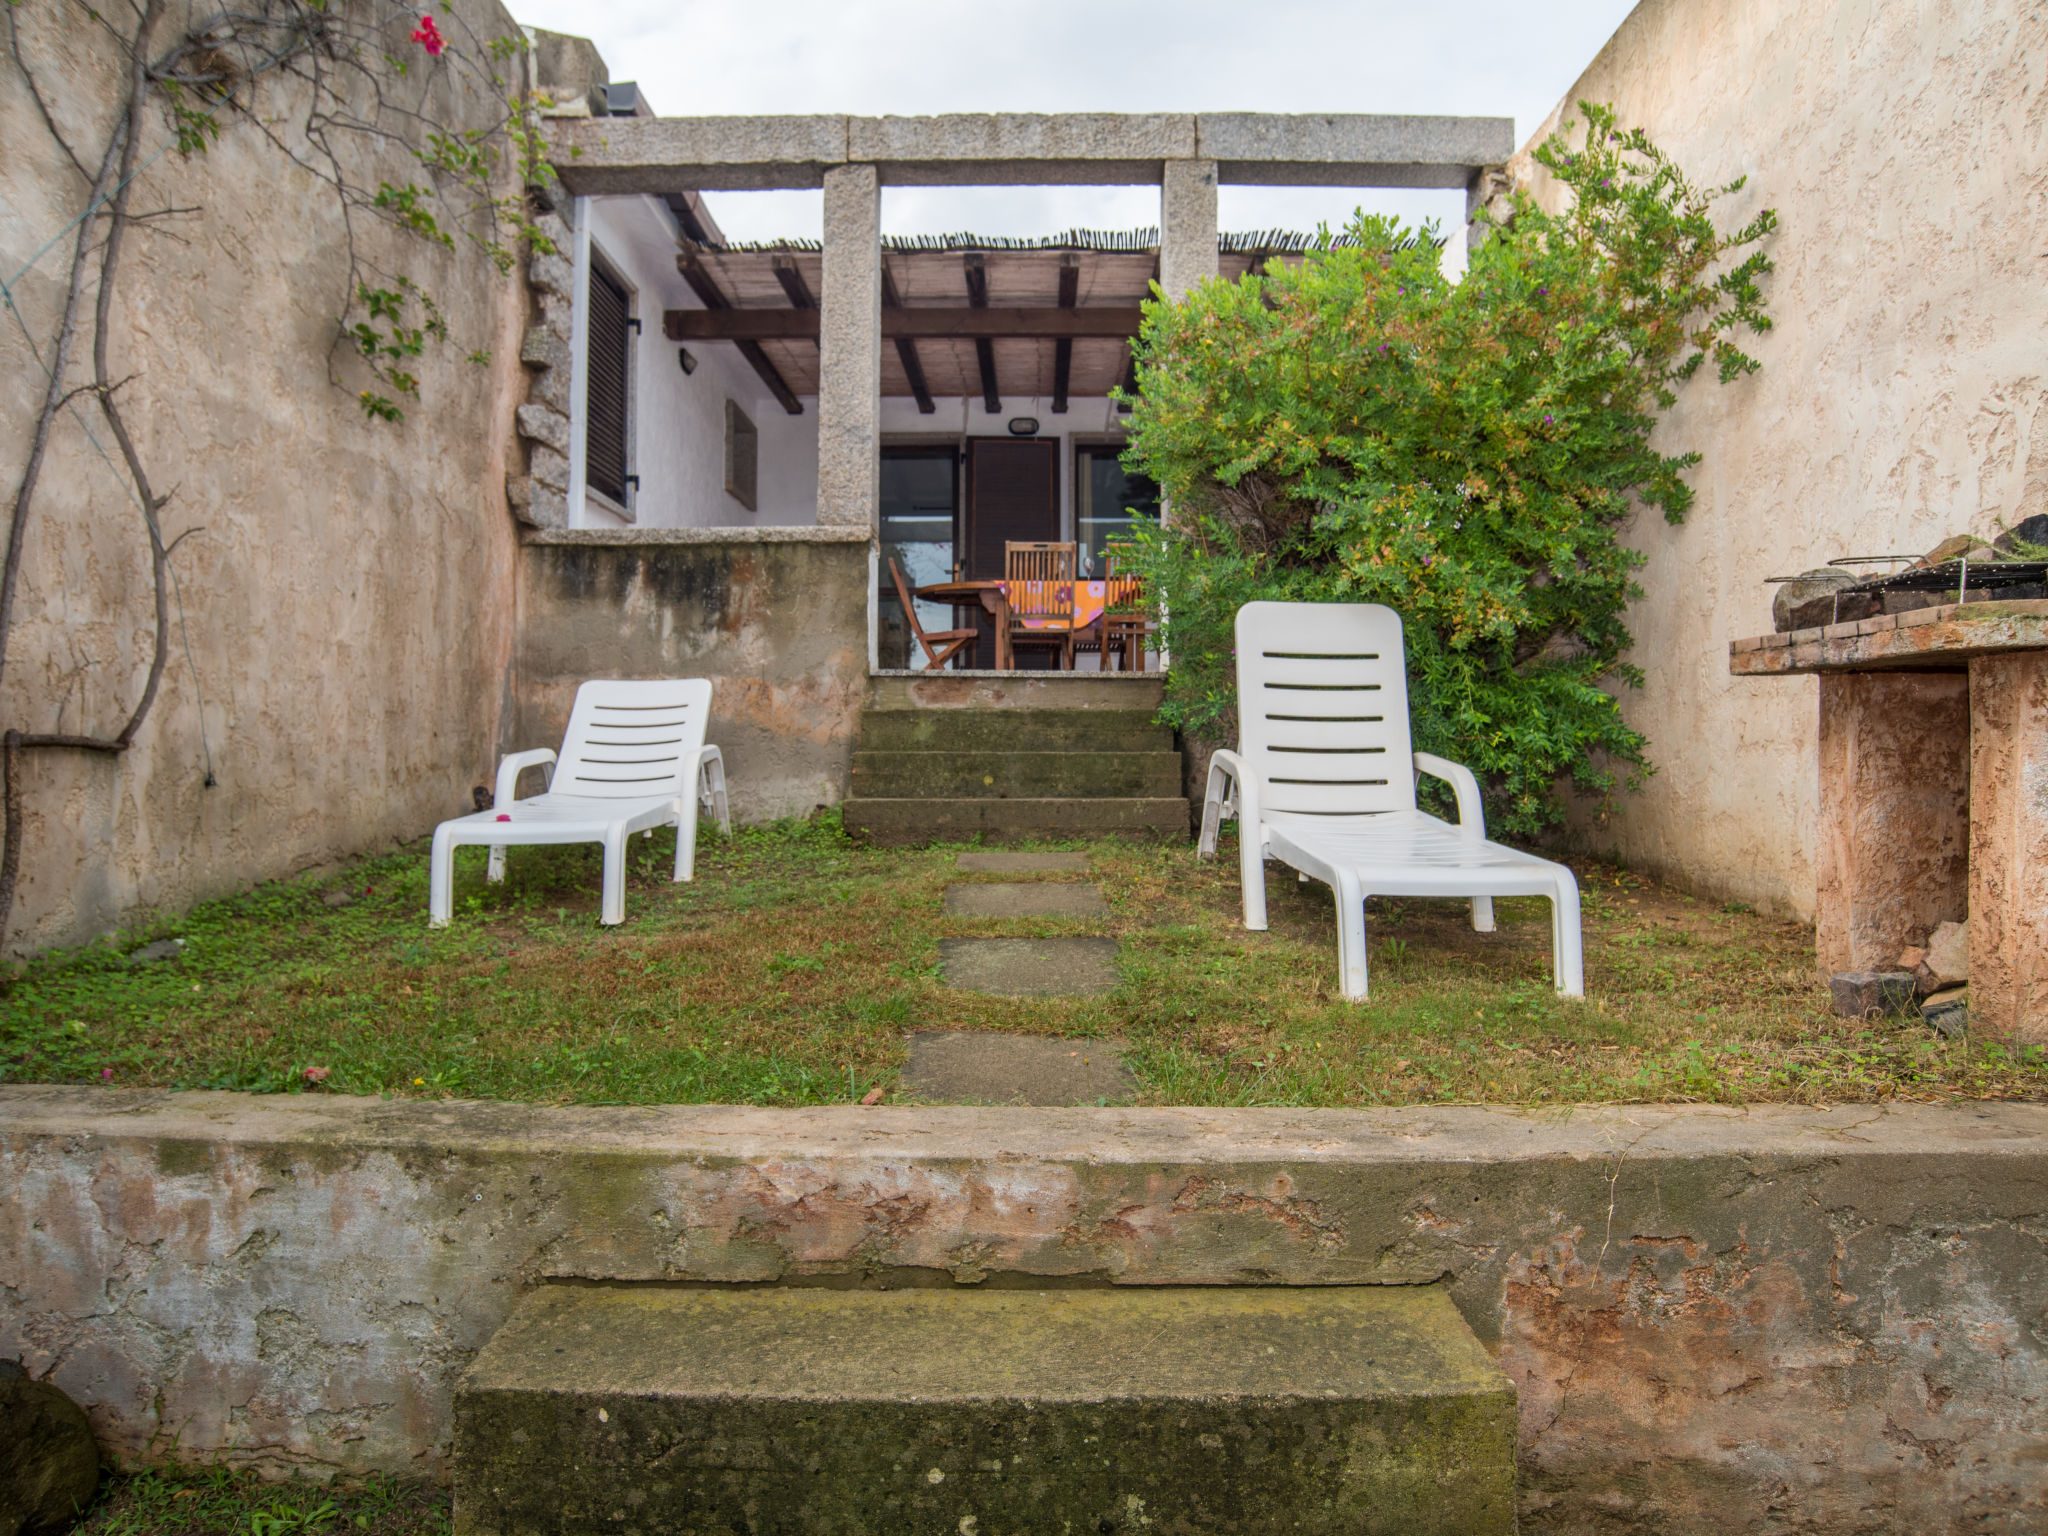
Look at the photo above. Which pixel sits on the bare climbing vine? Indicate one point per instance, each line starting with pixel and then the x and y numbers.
pixel 333 86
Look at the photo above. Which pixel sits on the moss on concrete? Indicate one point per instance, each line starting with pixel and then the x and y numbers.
pixel 1353 1410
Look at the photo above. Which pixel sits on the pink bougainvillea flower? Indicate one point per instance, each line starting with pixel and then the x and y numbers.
pixel 503 817
pixel 317 1074
pixel 105 1073
pixel 429 37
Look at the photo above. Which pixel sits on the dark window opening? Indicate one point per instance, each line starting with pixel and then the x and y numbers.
pixel 742 458
pixel 607 396
pixel 1109 502
pixel 919 505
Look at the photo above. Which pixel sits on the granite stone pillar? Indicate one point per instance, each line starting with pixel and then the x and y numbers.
pixel 2009 846
pixel 1895 842
pixel 850 351
pixel 1187 225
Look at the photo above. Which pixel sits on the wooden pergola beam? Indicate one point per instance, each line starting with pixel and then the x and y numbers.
pixel 705 286
pixel 1114 322
pixel 1063 349
pixel 984 347
pixel 791 276
pixel 906 349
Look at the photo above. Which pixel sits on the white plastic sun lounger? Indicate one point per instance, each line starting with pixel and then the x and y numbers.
pixel 633 759
pixel 1323 780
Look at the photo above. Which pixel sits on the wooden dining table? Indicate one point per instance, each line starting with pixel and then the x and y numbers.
pixel 993 597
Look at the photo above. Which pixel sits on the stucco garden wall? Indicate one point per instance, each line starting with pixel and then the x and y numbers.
pixel 1903 395
pixel 348 594
pixel 777 618
pixel 1718 1320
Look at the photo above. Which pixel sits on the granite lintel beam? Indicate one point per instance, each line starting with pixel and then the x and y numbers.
pixel 663 155
pixel 989 149
pixel 1352 149
pixel 667 155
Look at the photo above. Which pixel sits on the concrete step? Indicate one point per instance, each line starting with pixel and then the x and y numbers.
pixel 1258 1411
pixel 1036 730
pixel 992 774
pixel 914 820
pixel 1015 690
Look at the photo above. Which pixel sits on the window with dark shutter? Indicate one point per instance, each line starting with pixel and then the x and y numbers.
pixel 609 353
pixel 742 457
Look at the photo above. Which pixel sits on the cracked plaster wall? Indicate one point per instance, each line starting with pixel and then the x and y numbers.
pixel 775 618
pixel 1822 1320
pixel 348 596
pixel 1903 395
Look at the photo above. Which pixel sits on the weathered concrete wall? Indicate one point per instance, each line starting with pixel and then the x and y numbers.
pixel 1902 396
pixel 347 593
pixel 1895 813
pixel 1717 1320
pixel 2008 874
pixel 775 617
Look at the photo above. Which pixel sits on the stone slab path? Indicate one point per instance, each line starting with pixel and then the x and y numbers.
pixel 1042 899
pixel 978 1067
pixel 1030 967
pixel 985 1067
pixel 996 862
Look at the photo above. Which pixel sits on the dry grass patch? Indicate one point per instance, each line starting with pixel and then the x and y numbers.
pixel 791 970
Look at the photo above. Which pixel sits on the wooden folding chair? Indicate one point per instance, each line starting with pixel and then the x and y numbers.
pixel 1038 587
pixel 1126 619
pixel 952 640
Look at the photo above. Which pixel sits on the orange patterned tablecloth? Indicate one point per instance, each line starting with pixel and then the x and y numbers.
pixel 1029 601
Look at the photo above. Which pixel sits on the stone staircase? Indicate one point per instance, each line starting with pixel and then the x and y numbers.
pixel 1011 755
pixel 1309 1411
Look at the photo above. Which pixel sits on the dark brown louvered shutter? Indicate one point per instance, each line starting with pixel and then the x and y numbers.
pixel 609 351
pixel 1012 493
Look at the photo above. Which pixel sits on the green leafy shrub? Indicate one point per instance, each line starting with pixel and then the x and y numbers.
pixel 1359 429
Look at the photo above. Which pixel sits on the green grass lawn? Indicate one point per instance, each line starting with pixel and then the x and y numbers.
pixel 790 971
pixel 217 1502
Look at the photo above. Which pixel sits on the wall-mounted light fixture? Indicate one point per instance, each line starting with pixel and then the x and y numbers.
pixel 1023 426
pixel 687 359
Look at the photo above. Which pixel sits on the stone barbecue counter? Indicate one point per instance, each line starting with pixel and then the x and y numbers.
pixel 1933 762
pixel 1941 638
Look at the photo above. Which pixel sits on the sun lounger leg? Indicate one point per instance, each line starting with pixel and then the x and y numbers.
pixel 613 908
pixel 441 878
pixel 1351 967
pixel 1482 914
pixel 1567 942
pixel 1251 866
pixel 495 870
pixel 686 837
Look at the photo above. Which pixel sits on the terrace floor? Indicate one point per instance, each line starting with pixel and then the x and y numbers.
pixel 797 964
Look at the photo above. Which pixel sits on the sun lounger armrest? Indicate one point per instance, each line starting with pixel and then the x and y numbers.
pixel 515 764
pixel 704 777
pixel 700 768
pixel 1227 772
pixel 1471 809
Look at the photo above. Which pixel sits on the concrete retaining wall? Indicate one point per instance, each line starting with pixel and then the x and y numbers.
pixel 1823 1320
pixel 777 618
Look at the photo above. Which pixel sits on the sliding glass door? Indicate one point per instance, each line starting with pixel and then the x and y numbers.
pixel 919 502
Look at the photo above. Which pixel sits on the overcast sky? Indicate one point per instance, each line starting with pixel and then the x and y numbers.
pixel 1484 58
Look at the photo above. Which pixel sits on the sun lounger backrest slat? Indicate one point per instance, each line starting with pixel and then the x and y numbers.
pixel 628 740
pixel 1322 707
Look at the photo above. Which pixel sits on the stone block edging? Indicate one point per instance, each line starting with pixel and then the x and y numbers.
pixel 1713 1316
